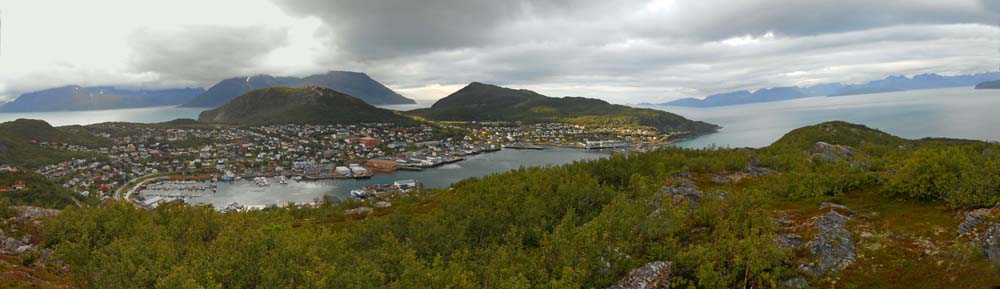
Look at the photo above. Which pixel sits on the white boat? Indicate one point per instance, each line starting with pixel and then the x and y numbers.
pixel 261 181
pixel 282 180
pixel 360 194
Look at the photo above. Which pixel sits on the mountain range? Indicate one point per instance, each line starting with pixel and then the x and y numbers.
pixel 485 102
pixel 306 105
pixel 356 84
pixel 889 84
pixel 74 97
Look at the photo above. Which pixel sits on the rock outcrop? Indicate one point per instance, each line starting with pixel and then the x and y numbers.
pixel 990 240
pixel 832 247
pixel 972 221
pixel 789 241
pixel 831 152
pixel 688 191
pixel 10 243
pixel 655 275
pixel 359 211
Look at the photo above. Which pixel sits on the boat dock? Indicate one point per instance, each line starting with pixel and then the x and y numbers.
pixel 523 146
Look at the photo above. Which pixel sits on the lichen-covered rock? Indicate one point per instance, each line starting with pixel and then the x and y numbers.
pixel 789 241
pixel 972 220
pixel 359 211
pixel 688 191
pixel 11 245
pixel 655 275
pixel 831 152
pixel 990 240
pixel 797 283
pixel 832 247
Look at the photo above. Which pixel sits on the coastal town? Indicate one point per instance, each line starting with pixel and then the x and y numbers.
pixel 191 158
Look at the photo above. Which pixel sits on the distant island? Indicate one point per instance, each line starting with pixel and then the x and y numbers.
pixel 989 85
pixel 308 105
pixel 76 98
pixel 356 84
pixel 485 102
pixel 889 84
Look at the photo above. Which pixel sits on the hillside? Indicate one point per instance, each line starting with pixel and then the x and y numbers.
pixel 19 138
pixel 989 85
pixel 73 97
pixel 888 84
pixel 356 84
pixel 484 102
pixel 310 105
pixel 40 191
pixel 878 215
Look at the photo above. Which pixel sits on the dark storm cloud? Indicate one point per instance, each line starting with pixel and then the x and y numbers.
pixel 203 53
pixel 651 49
pixel 390 28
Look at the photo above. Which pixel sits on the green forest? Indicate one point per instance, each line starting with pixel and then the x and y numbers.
pixel 582 225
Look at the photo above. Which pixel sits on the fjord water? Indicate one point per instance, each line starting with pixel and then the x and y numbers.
pixel 247 192
pixel 141 115
pixel 952 112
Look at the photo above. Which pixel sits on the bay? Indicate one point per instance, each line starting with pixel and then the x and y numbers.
pixel 952 112
pixel 249 194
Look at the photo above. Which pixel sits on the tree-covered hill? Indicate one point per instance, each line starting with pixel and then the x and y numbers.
pixel 39 191
pixel 309 105
pixel 484 102
pixel 20 139
pixel 834 205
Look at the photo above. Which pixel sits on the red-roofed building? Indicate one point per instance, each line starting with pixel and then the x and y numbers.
pixel 366 141
pixel 20 185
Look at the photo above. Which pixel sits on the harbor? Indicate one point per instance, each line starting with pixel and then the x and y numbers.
pixel 248 193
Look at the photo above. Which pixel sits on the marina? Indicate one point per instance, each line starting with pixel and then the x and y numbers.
pixel 247 193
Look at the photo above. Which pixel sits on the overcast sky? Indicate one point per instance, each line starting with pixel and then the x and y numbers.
pixel 621 51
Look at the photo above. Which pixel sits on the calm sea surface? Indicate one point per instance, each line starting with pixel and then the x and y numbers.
pixel 952 112
pixel 247 193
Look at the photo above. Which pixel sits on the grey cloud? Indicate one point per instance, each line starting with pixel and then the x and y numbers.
pixel 719 19
pixel 203 53
pixel 378 29
pixel 655 70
